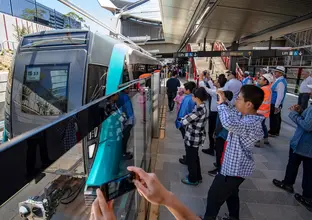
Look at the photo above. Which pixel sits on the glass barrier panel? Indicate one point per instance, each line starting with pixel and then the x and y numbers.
pixel 91 145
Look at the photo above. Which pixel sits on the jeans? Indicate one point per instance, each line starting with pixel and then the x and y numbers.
pixel 212 128
pixel 223 189
pixel 303 100
pixel 219 150
pixel 193 164
pixel 265 129
pixel 171 96
pixel 294 162
pixel 275 121
pixel 126 135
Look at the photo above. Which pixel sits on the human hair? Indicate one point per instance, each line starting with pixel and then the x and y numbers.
pixel 253 94
pixel 190 86
pixel 174 73
pixel 228 95
pixel 201 94
pixel 222 80
pixel 231 72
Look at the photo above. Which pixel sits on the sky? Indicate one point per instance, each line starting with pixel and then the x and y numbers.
pixel 91 6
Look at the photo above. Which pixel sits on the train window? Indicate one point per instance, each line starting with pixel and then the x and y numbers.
pixel 96 84
pixel 45 89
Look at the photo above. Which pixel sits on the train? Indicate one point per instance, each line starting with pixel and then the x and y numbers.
pixel 56 72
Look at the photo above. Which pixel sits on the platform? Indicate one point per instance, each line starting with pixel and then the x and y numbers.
pixel 260 199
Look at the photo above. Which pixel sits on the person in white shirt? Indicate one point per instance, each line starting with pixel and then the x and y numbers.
pixel 305 90
pixel 279 88
pixel 233 85
pixel 212 91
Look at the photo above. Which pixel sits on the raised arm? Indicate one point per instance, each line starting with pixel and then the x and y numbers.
pixel 303 122
pixel 232 121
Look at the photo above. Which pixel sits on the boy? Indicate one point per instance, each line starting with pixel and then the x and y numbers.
pixel 245 129
pixel 195 135
pixel 186 108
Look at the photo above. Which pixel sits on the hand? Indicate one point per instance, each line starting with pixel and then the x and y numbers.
pixel 296 108
pixel 276 110
pixel 149 186
pixel 221 96
pixel 101 210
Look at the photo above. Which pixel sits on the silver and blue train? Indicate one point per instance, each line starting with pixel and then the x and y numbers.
pixel 55 72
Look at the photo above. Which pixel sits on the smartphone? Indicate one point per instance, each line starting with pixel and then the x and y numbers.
pixel 118 187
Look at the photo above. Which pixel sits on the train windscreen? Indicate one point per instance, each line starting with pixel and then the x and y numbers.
pixel 45 89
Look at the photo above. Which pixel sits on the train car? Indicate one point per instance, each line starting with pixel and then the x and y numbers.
pixel 54 72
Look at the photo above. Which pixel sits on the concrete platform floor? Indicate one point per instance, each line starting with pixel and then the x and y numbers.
pixel 259 198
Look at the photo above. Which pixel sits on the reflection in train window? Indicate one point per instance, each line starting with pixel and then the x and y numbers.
pixel 96 84
pixel 45 89
pixel 125 74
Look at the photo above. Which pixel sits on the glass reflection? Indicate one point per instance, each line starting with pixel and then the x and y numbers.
pixel 107 135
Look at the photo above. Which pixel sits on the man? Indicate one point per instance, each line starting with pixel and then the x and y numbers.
pixel 211 90
pixel 300 151
pixel 172 87
pixel 279 88
pixel 265 82
pixel 247 79
pixel 233 85
pixel 304 90
pixel 186 108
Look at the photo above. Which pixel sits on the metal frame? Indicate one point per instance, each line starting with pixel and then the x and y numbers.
pixel 86 14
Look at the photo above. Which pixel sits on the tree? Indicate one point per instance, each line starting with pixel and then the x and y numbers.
pixel 19 32
pixel 76 17
pixel 30 14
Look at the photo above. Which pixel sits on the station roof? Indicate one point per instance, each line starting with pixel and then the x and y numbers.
pixel 233 20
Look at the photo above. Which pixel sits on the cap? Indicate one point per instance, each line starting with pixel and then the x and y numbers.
pixel 247 73
pixel 269 77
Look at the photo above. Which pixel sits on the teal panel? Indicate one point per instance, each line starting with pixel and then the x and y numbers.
pixel 115 69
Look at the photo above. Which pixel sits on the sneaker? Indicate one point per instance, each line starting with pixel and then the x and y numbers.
pixel 258 144
pixel 182 161
pixel 187 182
pixel 307 203
pixel 208 151
pixel 266 141
pixel 213 172
pixel 282 185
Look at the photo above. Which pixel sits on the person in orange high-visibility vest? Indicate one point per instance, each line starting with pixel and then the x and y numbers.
pixel 265 82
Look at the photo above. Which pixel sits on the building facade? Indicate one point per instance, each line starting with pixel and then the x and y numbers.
pixel 35 12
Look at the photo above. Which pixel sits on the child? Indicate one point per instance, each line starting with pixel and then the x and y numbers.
pixel 195 135
pixel 186 107
pixel 245 129
pixel 178 99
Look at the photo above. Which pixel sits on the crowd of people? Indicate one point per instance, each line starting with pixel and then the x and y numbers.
pixel 235 112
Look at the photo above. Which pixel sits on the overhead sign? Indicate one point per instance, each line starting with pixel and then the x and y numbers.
pixel 289 53
pixel 239 53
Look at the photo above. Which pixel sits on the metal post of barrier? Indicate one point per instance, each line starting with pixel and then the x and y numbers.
pixel 155 104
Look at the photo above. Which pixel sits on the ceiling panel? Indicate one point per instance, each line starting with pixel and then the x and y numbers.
pixel 286 7
pixel 176 15
pixel 242 23
pixel 213 35
pixel 180 4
